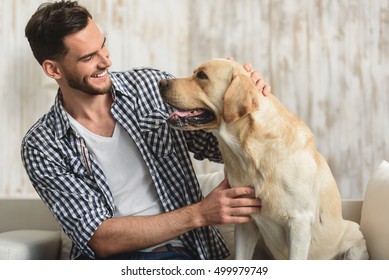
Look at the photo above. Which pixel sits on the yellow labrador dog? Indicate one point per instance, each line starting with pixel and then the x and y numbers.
pixel 265 146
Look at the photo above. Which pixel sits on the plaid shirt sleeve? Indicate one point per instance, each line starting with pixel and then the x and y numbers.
pixel 203 145
pixel 64 184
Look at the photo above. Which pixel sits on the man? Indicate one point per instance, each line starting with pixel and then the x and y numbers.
pixel 116 177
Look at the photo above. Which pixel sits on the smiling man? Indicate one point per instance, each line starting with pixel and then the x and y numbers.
pixel 117 178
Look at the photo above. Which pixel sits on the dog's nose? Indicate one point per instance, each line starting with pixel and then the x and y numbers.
pixel 163 84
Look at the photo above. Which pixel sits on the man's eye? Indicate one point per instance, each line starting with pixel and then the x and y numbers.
pixel 87 58
pixel 201 75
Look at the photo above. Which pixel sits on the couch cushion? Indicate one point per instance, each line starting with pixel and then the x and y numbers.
pixel 26 213
pixel 375 210
pixel 66 246
pixel 30 244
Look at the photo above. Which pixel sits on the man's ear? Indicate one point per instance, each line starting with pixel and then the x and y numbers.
pixel 51 69
pixel 241 98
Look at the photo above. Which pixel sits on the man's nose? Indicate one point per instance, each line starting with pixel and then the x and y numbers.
pixel 104 62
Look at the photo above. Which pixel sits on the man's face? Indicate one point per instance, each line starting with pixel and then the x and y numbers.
pixel 85 66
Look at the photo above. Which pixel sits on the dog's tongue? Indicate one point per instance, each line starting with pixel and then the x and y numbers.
pixel 185 114
pixel 181 114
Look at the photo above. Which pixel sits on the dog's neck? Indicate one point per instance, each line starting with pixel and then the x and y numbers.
pixel 252 141
pixel 233 143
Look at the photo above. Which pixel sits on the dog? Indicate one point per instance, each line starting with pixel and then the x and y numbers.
pixel 265 146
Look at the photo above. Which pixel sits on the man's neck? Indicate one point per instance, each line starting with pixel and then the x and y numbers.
pixel 91 111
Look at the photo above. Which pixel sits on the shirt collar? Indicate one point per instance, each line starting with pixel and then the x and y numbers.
pixel 62 123
pixel 121 85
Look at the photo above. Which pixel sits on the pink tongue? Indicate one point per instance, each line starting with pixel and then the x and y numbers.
pixel 181 114
pixel 187 113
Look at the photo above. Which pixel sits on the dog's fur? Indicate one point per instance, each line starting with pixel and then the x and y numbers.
pixel 265 146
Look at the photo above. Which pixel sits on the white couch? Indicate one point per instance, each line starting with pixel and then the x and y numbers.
pixel 28 231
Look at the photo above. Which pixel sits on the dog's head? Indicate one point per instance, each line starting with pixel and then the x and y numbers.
pixel 220 90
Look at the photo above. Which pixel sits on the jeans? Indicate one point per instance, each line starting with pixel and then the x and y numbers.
pixel 170 254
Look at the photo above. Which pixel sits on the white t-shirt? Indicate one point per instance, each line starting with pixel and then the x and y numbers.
pixel 127 174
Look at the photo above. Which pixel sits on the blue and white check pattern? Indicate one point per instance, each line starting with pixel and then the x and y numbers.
pixel 70 182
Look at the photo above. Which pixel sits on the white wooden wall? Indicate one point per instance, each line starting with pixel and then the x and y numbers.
pixel 328 61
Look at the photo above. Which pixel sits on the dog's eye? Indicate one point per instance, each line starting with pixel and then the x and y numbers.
pixel 201 75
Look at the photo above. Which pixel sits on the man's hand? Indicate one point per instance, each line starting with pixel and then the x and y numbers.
pixel 258 80
pixel 225 205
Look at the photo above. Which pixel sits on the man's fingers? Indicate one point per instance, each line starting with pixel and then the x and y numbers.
pixel 248 67
pixel 245 202
pixel 258 79
pixel 240 191
pixel 245 211
pixel 241 214
pixel 267 90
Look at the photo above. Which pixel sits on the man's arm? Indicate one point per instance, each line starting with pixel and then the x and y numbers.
pixel 222 206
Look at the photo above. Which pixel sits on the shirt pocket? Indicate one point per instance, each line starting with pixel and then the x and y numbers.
pixel 77 167
pixel 157 133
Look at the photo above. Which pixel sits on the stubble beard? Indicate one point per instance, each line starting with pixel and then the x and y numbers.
pixel 85 87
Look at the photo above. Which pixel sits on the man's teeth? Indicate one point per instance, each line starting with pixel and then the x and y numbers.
pixel 99 75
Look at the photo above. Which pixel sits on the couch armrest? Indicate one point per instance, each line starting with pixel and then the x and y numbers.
pixel 30 244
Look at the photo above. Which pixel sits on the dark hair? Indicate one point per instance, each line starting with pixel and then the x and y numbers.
pixel 49 25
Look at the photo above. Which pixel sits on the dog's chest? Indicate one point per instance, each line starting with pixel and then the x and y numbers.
pixel 238 165
pixel 243 171
pixel 252 163
pixel 275 201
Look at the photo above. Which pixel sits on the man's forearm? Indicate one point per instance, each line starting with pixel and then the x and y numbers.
pixel 223 205
pixel 126 234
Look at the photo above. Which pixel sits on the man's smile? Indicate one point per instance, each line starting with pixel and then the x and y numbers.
pixel 100 75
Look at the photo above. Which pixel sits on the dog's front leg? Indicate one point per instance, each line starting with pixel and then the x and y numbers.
pixel 246 237
pixel 299 238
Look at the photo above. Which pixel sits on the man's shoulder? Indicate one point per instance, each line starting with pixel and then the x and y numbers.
pixel 140 81
pixel 42 130
pixel 140 73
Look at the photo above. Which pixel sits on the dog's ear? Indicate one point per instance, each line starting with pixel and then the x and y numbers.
pixel 240 99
